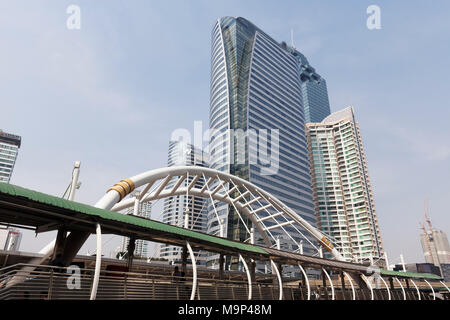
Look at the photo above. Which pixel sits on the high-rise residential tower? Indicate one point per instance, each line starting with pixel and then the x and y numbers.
pixel 343 197
pixel 141 246
pixel 9 148
pixel 257 121
pixel 184 154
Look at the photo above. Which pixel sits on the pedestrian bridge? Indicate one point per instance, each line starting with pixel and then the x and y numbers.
pixel 340 279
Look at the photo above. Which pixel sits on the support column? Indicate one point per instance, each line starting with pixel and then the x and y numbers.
pixel 324 284
pixel 184 255
pixel 343 285
pixel 221 266
pixel 130 251
pixel 59 247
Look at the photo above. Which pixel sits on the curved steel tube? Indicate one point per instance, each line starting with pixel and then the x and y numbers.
pixel 280 282
pixel 98 262
pixel 443 283
pixel 305 276
pixel 432 290
pixel 113 197
pixel 401 286
pixel 249 278
pixel 351 284
pixel 369 285
pixel 331 283
pixel 387 288
pixel 194 270
pixel 417 289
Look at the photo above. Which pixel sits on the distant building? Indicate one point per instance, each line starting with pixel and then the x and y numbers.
pixel 445 267
pixel 10 239
pixel 419 268
pixel 9 148
pixel 184 154
pixel 343 197
pixel 436 248
pixel 141 246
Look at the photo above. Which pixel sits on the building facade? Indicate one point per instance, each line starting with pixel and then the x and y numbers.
pixel 316 104
pixel 184 154
pixel 257 123
pixel 343 196
pixel 141 249
pixel 9 149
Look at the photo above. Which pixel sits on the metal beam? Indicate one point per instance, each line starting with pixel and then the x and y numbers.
pixel 194 270
pixel 305 276
pixel 249 278
pixel 98 262
pixel 280 281
pixel 401 286
pixel 351 284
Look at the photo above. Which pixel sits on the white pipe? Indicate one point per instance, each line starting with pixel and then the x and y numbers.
pixel 445 286
pixel 417 289
pixel 154 175
pixel 432 290
pixel 402 261
pixel 305 276
pixel 369 285
pixel 401 286
pixel 73 185
pixel 194 271
pixel 331 283
pixel 249 278
pixel 351 284
pixel 98 263
pixel 386 260
pixel 387 287
pixel 280 282
pixel 136 204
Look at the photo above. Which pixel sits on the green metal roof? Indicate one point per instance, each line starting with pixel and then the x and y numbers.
pixel 40 197
pixel 409 274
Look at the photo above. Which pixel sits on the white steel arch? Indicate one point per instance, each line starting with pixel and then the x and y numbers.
pixel 266 212
pixel 114 196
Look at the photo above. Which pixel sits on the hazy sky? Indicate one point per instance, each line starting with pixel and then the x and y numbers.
pixel 111 93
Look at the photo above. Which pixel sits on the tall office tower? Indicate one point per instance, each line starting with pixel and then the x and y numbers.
pixel 9 148
pixel 257 123
pixel 184 154
pixel 436 248
pixel 10 239
pixel 141 246
pixel 316 104
pixel 343 195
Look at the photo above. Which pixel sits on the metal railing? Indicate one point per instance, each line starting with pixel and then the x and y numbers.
pixel 50 282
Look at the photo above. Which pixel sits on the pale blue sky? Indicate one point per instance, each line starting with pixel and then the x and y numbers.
pixel 111 93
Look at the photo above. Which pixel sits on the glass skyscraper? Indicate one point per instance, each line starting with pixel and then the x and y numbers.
pixel 343 195
pixel 257 121
pixel 314 91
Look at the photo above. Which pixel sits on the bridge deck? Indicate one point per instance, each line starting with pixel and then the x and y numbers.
pixel 42 212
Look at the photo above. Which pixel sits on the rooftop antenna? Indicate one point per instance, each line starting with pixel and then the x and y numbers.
pixel 292 38
pixel 427 218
